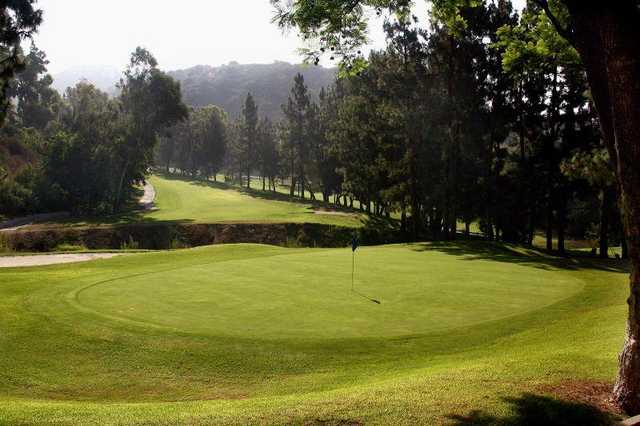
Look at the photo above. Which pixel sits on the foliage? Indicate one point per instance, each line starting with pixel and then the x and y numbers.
pixel 197 145
pixel 83 152
pixel 19 20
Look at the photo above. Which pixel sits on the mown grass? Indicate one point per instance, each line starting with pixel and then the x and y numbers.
pixel 184 200
pixel 243 334
pixel 215 202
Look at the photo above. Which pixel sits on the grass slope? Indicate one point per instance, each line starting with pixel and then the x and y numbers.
pixel 243 334
pixel 199 201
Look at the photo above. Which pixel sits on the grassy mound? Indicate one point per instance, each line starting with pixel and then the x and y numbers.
pixel 258 334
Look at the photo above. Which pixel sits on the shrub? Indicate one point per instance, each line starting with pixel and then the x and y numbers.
pixel 129 245
pixel 70 247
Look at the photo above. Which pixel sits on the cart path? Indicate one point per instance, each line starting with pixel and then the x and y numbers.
pixel 149 196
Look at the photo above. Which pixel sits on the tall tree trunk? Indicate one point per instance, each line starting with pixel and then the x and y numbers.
pixel 549 227
pixel 607 36
pixel 605 207
pixel 624 247
pixel 550 148
pixel 562 223
pixel 118 200
pixel 292 188
pixel 415 202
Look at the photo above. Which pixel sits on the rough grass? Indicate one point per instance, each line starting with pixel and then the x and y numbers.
pixel 466 333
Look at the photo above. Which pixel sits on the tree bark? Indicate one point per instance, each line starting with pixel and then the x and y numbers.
pixel 292 188
pixel 607 36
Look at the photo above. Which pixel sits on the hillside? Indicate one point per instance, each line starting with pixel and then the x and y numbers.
pixel 227 85
pixel 103 77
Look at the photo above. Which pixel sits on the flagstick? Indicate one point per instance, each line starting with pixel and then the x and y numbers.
pixel 353 266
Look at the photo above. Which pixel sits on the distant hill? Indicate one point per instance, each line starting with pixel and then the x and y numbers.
pixel 228 85
pixel 103 77
pixel 225 86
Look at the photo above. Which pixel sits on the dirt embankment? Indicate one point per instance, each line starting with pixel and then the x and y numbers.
pixel 158 236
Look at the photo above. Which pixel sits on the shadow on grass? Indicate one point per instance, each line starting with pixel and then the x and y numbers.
pixel 259 193
pixel 533 410
pixel 500 252
pixel 135 216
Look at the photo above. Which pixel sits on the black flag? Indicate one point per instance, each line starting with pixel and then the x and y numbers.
pixel 354 243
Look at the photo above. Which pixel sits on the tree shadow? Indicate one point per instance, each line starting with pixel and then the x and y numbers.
pixel 134 215
pixel 470 250
pixel 534 410
pixel 381 230
pixel 260 194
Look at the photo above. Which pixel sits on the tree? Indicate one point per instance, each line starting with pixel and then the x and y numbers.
pixel 210 133
pixel 607 38
pixel 248 136
pixel 19 20
pixel 268 157
pixel 151 101
pixel 594 166
pixel 325 160
pixel 37 101
pixel 297 115
pixel 82 153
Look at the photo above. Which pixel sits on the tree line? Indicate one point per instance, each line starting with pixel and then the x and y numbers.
pixel 606 37
pixel 491 128
pixel 82 151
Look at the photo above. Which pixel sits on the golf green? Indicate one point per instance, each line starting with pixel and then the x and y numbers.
pixel 307 293
pixel 254 334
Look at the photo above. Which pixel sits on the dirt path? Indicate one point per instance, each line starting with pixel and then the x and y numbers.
pixel 22 222
pixel 333 212
pixel 149 196
pixel 51 259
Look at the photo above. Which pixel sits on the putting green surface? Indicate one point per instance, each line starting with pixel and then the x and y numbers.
pixel 210 202
pixel 243 334
pixel 307 294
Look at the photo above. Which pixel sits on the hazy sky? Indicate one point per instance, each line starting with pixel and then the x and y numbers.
pixel 179 33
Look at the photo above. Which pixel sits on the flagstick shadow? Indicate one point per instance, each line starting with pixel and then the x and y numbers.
pixel 366 297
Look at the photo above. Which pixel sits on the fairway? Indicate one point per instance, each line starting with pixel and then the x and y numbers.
pixel 210 202
pixel 240 334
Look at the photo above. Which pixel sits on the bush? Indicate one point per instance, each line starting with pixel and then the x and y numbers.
pixel 70 247
pixel 129 245
pixel 5 246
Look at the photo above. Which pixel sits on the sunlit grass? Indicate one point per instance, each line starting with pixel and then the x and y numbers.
pixel 243 334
